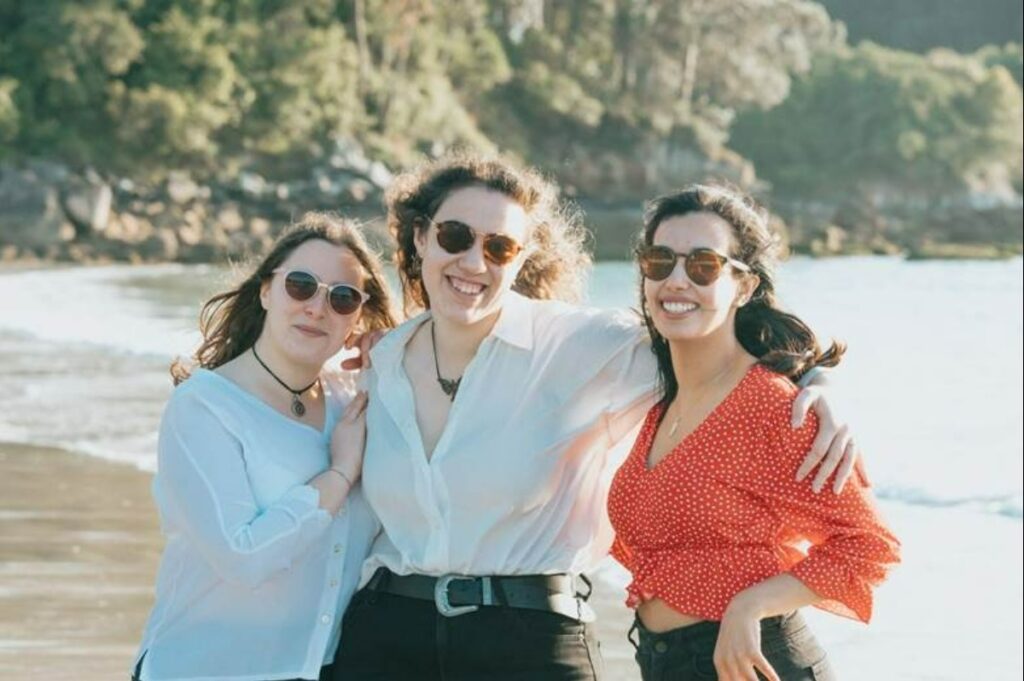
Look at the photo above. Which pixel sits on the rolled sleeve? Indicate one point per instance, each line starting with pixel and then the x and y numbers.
pixel 851 548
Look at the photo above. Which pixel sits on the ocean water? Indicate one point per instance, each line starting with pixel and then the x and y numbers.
pixel 932 382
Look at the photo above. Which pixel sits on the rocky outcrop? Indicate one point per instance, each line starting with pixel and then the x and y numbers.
pixel 48 211
pixel 31 216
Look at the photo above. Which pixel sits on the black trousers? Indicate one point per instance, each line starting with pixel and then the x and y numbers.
pixel 686 654
pixel 397 638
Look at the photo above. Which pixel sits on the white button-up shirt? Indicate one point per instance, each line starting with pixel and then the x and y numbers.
pixel 518 481
pixel 255 576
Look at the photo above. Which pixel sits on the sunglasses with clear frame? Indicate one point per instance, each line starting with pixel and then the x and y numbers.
pixel 301 286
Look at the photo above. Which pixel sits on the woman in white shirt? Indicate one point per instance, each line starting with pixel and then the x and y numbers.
pixel 256 469
pixel 493 430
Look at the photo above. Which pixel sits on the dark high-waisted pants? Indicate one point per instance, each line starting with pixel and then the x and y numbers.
pixel 686 653
pixel 395 638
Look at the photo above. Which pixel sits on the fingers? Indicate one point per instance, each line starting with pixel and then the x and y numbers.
pixel 355 408
pixel 817 452
pixel 850 456
pixel 802 404
pixel 366 343
pixel 737 672
pixel 832 459
pixel 765 668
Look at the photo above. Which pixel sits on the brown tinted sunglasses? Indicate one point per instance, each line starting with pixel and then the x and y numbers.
pixel 702 265
pixel 458 237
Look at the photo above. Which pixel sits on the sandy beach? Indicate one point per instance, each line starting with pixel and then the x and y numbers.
pixel 79 547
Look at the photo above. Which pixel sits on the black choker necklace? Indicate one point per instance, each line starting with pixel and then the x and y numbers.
pixel 450 386
pixel 298 408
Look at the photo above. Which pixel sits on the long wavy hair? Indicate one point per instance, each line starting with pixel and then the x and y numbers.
pixel 780 340
pixel 231 321
pixel 558 262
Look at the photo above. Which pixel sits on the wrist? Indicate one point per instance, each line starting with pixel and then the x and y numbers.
pixel 340 473
pixel 745 604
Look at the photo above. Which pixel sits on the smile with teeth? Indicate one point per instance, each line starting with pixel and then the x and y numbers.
pixel 468 288
pixel 676 307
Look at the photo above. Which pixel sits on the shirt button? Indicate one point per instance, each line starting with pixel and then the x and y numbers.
pixel 660 647
pixel 334 583
pixel 337 548
pixel 325 619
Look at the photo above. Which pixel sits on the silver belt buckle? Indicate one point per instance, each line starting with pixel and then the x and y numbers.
pixel 441 597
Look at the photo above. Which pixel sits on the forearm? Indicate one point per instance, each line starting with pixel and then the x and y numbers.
pixel 776 595
pixel 334 487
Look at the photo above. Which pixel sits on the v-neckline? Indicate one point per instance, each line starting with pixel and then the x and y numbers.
pixel 444 435
pixel 712 415
pixel 238 389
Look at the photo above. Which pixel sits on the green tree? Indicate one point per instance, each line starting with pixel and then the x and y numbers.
pixel 871 116
pixel 68 59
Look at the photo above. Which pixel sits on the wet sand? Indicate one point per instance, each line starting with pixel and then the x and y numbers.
pixel 79 547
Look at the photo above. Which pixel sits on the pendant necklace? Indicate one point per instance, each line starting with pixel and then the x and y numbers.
pixel 675 422
pixel 450 386
pixel 298 408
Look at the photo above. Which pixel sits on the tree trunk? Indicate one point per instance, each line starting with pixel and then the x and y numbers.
pixel 363 49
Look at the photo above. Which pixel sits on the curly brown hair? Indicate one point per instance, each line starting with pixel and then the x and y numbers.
pixel 781 341
pixel 230 322
pixel 558 261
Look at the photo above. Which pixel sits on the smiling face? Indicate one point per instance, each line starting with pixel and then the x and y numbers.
pixel 309 332
pixel 682 310
pixel 465 288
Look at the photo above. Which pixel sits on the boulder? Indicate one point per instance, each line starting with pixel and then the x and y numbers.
pixel 230 219
pixel 162 245
pixel 87 205
pixel 30 212
pixel 181 188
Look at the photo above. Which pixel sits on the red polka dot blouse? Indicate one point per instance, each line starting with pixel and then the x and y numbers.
pixel 723 511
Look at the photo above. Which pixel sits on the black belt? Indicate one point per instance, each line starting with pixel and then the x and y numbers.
pixel 457 595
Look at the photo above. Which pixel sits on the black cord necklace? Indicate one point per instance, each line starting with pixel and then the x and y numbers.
pixel 450 386
pixel 298 408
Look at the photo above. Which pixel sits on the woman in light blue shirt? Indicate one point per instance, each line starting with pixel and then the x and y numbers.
pixel 259 452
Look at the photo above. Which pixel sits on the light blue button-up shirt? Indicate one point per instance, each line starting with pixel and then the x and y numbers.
pixel 255 576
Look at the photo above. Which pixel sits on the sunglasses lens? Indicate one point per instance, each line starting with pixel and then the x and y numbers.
pixel 657 262
pixel 300 285
pixel 500 250
pixel 454 236
pixel 345 299
pixel 703 267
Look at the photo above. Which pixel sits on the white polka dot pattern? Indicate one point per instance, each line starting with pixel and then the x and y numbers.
pixel 722 511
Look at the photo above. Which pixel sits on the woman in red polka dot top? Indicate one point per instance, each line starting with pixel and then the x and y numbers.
pixel 709 517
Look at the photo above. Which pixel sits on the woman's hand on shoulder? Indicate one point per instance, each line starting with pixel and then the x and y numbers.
pixel 364 342
pixel 834 449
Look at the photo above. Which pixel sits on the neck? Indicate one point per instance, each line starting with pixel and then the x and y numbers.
pixel 296 375
pixel 699 362
pixel 457 343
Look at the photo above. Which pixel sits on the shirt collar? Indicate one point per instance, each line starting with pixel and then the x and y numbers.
pixel 515 323
pixel 514 326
